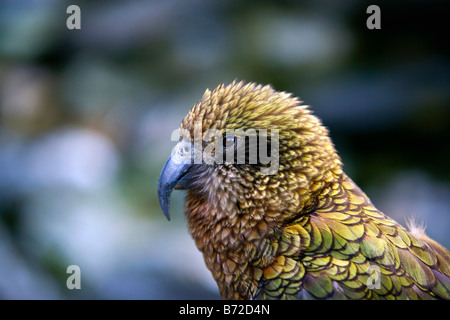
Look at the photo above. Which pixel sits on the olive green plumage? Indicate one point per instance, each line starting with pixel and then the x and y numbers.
pixel 305 232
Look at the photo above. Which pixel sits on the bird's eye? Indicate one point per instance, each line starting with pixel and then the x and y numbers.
pixel 229 142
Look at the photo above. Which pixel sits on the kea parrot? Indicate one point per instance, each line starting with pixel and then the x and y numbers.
pixel 294 227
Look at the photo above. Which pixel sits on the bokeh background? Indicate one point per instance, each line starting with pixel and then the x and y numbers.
pixel 86 117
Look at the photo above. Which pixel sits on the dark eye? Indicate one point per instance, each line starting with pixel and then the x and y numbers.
pixel 229 142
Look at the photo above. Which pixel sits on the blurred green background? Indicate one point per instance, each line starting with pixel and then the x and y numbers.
pixel 86 117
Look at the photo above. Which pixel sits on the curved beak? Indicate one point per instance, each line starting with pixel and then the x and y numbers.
pixel 171 175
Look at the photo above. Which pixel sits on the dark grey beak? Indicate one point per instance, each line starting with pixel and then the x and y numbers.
pixel 171 175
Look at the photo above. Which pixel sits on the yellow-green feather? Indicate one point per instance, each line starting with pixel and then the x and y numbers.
pixel 339 256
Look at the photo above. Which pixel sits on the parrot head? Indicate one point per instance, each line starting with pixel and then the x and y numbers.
pixel 244 144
